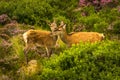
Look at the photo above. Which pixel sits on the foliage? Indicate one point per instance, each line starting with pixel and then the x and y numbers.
pixel 9 59
pixel 36 12
pixel 5 48
pixel 85 61
pixel 98 4
pixel 98 61
pixel 116 27
pixel 25 11
pixel 100 27
pixel 4 19
pixel 17 45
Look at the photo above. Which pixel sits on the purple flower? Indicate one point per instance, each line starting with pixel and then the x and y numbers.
pixel 82 2
pixel 4 18
pixel 105 1
pixel 118 8
pixel 95 2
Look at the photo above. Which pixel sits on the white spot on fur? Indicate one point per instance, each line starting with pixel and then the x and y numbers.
pixel 25 37
pixel 103 36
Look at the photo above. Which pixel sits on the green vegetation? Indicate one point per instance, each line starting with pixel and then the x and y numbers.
pixel 85 61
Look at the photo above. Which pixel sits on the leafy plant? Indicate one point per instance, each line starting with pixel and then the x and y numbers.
pixel 100 27
pixel 17 45
pixel 85 61
pixel 116 27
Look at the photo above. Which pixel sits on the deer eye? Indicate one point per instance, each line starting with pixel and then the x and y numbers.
pixel 55 29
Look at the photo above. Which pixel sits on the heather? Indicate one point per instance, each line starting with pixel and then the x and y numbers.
pixel 85 61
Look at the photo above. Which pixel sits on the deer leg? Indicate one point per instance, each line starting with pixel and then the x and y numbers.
pixel 47 52
pixel 40 51
pixel 26 50
pixel 37 51
pixel 50 52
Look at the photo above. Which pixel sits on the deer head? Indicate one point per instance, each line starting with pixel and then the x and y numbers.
pixel 53 25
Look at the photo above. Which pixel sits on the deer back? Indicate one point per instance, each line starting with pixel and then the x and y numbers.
pixel 39 37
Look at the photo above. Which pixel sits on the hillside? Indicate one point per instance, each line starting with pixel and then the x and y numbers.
pixel 85 61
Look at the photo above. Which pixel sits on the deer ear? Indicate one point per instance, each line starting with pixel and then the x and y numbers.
pixel 54 21
pixel 62 23
pixel 49 24
pixel 64 26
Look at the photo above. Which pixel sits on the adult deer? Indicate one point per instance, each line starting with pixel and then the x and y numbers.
pixel 76 37
pixel 40 38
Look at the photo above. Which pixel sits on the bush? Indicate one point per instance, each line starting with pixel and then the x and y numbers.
pixel 5 48
pixel 116 27
pixel 27 11
pixel 90 21
pixel 100 27
pixel 36 12
pixel 85 61
pixel 109 15
pixel 17 46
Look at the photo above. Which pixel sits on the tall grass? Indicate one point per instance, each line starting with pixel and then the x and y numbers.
pixel 18 45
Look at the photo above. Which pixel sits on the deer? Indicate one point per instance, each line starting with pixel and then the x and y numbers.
pixel 77 37
pixel 40 38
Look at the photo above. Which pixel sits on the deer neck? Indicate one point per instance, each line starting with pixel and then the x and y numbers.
pixel 54 37
pixel 65 38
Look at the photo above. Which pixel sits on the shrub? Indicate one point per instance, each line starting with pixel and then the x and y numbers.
pixel 17 46
pixel 5 48
pixel 85 61
pixel 27 11
pixel 36 12
pixel 90 21
pixel 4 19
pixel 116 27
pixel 100 27
pixel 99 4
pixel 109 15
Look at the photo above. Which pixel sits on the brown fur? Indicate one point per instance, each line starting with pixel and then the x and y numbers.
pixel 77 37
pixel 41 38
pixel 82 36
